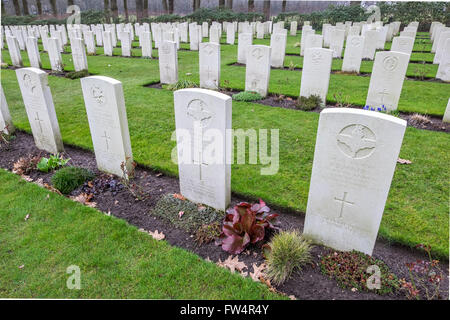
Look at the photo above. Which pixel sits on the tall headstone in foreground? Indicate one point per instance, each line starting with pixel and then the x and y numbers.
pixel 205 176
pixel 316 73
pixel 386 81
pixel 40 109
pixel 168 62
pixel 6 125
pixel 257 73
pixel 244 41
pixel 209 56
pixel 354 162
pixel 33 52
pixel 107 116
pixel 278 48
pixel 353 53
pixel 14 51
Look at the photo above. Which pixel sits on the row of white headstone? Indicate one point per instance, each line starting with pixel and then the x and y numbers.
pixel 354 160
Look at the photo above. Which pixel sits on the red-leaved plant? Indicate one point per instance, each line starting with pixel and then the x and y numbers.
pixel 244 224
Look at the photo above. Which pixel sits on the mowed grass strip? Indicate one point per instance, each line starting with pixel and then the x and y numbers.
pixel 417 207
pixel 115 259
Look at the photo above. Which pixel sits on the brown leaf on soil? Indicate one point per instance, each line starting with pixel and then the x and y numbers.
pixel 85 199
pixel 258 272
pixel 157 235
pixel 233 264
pixel 179 196
pixel 403 161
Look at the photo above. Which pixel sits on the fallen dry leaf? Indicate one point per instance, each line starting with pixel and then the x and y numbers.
pixel 233 264
pixel 22 266
pixel 157 235
pixel 258 273
pixel 180 214
pixel 403 161
pixel 85 199
pixel 179 196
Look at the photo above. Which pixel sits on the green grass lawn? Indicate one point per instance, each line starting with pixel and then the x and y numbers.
pixel 115 259
pixel 417 207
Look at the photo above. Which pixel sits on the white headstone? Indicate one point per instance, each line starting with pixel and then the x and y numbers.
pixel 370 44
pixel 446 117
pixel 337 42
pixel 214 35
pixel 386 81
pixel 257 74
pixel 146 39
pixel 278 48
pixel 14 51
pixel 168 62
pixel 314 41
pixel 402 44
pixel 293 29
pixel 354 162
pixel 55 55
pixel 209 56
pixel 79 54
pixel 204 175
pixel 90 43
pixel 305 34
pixel 230 33
pixel 244 41
pixel 441 46
pixel 353 53
pixel 125 42
pixel 107 44
pixel 40 109
pixel 33 52
pixel 193 37
pixel 443 72
pixel 6 125
pixel 316 73
pixel 107 116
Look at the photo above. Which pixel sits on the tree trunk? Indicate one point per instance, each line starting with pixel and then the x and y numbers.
pixel 106 10
pixel 251 5
pixel 145 11
pixel 139 6
pixel 70 3
pixel 125 8
pixel 114 9
pixel 171 6
pixel 39 7
pixel 267 9
pixel 16 7
pixel 230 4
pixel 26 12
pixel 221 4
pixel 54 8
pixel 283 8
pixel 355 3
pixel 165 7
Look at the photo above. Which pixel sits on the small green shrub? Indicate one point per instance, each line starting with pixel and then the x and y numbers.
pixel 308 103
pixel 350 270
pixel 52 163
pixel 287 252
pixel 208 233
pixel 77 74
pixel 247 96
pixel 181 84
pixel 68 179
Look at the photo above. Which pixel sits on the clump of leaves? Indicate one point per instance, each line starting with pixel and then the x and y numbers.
pixel 244 224
pixel 5 138
pixel 181 84
pixel 247 96
pixel 185 214
pixel 419 120
pixel 208 233
pixel 351 270
pixel 420 72
pixel 25 165
pixel 77 74
pixel 425 278
pixel 127 180
pixel 291 66
pixel 342 101
pixel 68 179
pixel 308 103
pixel 287 252
pixel 52 163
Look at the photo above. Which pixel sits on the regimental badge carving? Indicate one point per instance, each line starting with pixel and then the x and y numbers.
pixel 28 83
pixel 97 94
pixel 257 53
pixel 208 50
pixel 165 48
pixel 316 57
pixel 390 63
pixel 356 42
pixel 356 141
pixel 198 110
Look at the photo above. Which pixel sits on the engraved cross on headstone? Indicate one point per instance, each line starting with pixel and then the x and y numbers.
pixel 383 93
pixel 343 202
pixel 39 121
pixel 106 139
